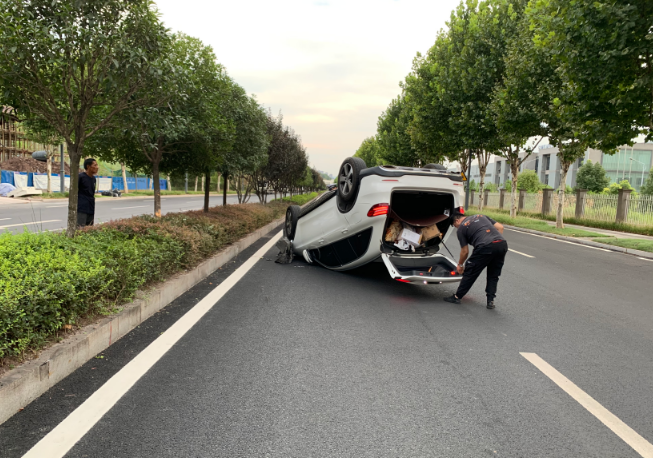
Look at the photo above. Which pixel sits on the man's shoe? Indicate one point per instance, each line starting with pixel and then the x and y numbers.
pixel 490 304
pixel 453 299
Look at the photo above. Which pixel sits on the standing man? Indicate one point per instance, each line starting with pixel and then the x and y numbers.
pixel 86 194
pixel 490 248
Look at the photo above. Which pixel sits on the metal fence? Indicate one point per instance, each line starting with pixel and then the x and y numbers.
pixel 598 207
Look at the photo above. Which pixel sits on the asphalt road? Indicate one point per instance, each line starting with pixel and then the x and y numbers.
pixel 51 215
pixel 298 361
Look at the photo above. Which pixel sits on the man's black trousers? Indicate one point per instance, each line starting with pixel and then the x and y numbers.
pixel 490 256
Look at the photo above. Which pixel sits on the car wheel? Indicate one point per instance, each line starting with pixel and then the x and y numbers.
pixel 348 178
pixel 290 225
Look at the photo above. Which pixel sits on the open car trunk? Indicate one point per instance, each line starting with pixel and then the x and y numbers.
pixel 426 215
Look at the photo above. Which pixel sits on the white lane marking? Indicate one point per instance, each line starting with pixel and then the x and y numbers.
pixel 4 219
pixel 645 259
pixel 126 208
pixel 29 224
pixel 519 252
pixel 621 429
pixel 56 206
pixel 563 241
pixel 67 433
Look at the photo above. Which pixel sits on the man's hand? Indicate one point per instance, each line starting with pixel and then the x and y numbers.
pixel 460 269
pixel 499 227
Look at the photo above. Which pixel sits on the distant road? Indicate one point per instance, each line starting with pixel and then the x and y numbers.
pixel 50 215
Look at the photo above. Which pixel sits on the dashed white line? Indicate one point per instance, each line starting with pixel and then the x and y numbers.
pixel 645 259
pixel 563 241
pixel 126 208
pixel 67 433
pixel 519 252
pixel 29 224
pixel 5 219
pixel 621 429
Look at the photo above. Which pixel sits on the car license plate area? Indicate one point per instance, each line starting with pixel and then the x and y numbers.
pixel 429 269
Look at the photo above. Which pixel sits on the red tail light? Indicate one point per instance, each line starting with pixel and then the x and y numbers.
pixel 453 272
pixel 402 280
pixel 378 210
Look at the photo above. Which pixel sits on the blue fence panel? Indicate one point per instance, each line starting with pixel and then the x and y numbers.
pixel 116 183
pixel 7 176
pixel 164 185
pixel 142 184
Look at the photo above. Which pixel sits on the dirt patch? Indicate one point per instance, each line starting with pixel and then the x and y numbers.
pixel 27 164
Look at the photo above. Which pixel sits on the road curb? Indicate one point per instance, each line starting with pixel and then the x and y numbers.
pixel 618 249
pixel 22 385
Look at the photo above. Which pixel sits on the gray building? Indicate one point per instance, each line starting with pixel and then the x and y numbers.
pixel 629 163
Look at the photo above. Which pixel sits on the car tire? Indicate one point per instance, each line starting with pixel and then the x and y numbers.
pixel 348 178
pixel 290 225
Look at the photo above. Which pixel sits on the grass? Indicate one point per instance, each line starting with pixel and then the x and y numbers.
pixel 534 224
pixel 607 225
pixel 635 244
pixel 300 199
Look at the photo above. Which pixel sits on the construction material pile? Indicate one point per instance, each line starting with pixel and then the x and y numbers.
pixel 29 165
pixel 407 237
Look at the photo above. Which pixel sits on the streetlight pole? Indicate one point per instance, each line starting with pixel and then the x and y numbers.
pixel 643 169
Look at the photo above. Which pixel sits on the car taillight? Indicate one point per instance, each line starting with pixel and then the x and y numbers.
pixel 453 272
pixel 402 280
pixel 378 210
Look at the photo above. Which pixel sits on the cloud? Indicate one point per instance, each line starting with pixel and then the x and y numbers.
pixel 330 71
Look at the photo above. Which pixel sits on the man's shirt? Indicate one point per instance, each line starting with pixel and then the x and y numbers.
pixel 478 231
pixel 86 194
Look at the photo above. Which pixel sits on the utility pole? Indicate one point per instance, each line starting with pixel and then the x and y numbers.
pixel 62 174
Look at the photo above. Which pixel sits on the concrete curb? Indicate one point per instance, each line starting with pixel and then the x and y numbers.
pixel 103 198
pixel 605 246
pixel 27 382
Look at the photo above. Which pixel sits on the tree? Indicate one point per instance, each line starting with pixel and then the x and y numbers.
pixel 529 181
pixel 369 151
pixel 603 50
pixel 76 64
pixel 394 143
pixel 592 176
pixel 647 187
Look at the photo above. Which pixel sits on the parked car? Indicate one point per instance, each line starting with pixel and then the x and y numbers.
pixel 400 215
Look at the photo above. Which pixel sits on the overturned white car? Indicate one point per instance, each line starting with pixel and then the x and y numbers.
pixel 398 214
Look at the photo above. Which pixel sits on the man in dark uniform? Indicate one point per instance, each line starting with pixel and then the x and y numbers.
pixel 86 193
pixel 490 248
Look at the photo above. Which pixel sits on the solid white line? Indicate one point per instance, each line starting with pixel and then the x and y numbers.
pixel 65 435
pixel 519 252
pixel 126 208
pixel 645 259
pixel 621 429
pixel 28 224
pixel 56 206
pixel 4 219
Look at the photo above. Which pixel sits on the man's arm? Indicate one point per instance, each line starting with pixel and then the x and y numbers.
pixel 499 227
pixel 464 252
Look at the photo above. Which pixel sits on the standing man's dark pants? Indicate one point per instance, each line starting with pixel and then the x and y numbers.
pixel 85 219
pixel 490 256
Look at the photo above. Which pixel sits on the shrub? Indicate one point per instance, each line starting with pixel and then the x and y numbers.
pixel 48 280
pixel 529 181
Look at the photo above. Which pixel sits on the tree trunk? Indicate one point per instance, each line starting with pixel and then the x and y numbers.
pixel 564 168
pixel 514 166
pixel 224 190
pixel 196 178
pixel 202 184
pixel 218 186
pixel 74 155
pixel 49 167
pixel 156 183
pixel 169 183
pixel 124 178
pixel 207 191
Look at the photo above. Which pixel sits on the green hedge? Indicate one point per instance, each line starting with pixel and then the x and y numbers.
pixel 48 281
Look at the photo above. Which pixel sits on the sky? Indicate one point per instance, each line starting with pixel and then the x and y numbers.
pixel 330 67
